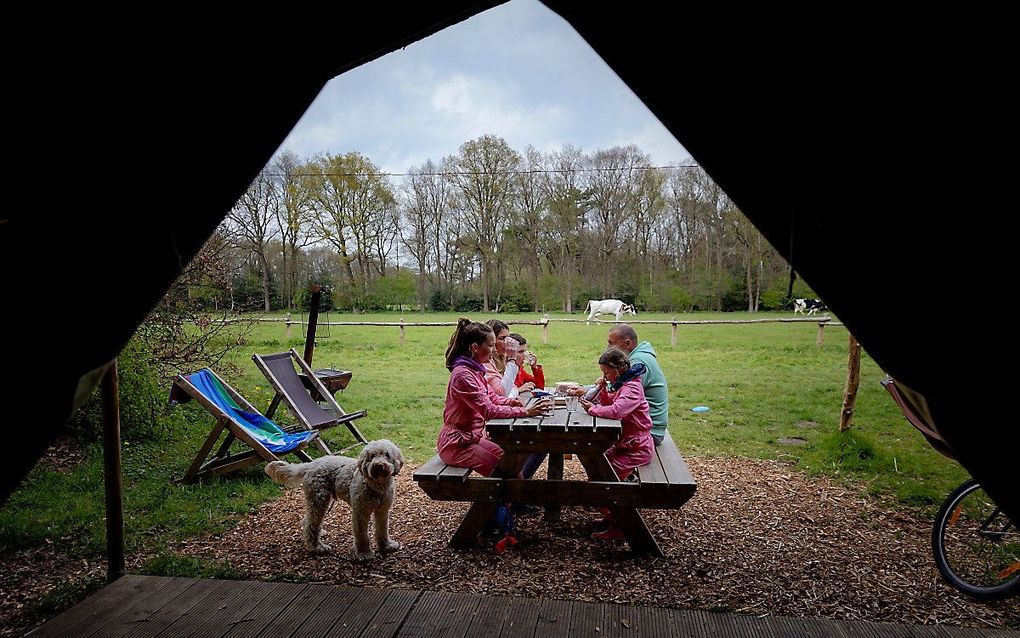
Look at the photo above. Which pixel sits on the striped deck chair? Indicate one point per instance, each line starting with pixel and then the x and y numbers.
pixel 241 421
pixel 291 389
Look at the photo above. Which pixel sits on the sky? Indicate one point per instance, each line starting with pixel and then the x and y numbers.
pixel 517 71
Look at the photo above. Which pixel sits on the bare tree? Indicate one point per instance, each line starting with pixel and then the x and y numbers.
pixel 567 206
pixel 649 204
pixel 177 333
pixel 352 207
pixel 528 227
pixel 484 177
pixel 295 206
pixel 612 188
pixel 252 223
pixel 426 200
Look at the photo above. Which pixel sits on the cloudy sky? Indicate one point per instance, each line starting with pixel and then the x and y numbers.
pixel 517 71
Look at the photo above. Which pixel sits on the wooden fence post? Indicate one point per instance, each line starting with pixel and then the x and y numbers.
pixel 287 326
pixel 112 474
pixel 545 328
pixel 401 331
pixel 821 329
pixel 853 380
pixel 672 339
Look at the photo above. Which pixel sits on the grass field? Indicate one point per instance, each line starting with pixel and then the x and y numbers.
pixel 763 382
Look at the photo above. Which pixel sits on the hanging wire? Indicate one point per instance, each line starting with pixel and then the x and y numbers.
pixel 534 171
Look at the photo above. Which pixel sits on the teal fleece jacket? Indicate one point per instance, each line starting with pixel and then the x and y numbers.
pixel 654 383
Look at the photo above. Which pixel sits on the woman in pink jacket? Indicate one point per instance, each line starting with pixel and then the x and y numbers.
pixel 470 402
pixel 622 397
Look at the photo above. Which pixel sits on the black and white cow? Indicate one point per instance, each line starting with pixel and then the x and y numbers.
pixel 812 306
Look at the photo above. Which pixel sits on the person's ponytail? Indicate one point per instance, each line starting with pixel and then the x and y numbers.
pixel 454 349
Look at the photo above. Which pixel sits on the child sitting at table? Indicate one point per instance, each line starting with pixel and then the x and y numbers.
pixel 622 397
pixel 469 401
pixel 537 376
pixel 502 367
pixel 537 380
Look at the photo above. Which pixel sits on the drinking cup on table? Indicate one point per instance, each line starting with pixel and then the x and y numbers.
pixel 550 406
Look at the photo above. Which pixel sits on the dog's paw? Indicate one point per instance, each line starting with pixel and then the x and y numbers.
pixel 362 557
pixel 319 548
pixel 389 546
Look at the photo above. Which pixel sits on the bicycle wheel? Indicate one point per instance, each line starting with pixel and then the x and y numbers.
pixel 976 546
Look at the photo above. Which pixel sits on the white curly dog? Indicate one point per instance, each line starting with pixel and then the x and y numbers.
pixel 365 483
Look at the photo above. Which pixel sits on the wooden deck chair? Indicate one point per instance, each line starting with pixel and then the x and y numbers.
pixel 241 421
pixel 279 370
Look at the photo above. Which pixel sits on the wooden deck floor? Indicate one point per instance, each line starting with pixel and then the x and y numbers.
pixel 142 606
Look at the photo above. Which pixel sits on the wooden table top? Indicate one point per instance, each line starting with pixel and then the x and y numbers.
pixel 561 419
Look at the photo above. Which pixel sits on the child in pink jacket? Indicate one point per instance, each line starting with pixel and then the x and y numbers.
pixel 622 397
pixel 470 402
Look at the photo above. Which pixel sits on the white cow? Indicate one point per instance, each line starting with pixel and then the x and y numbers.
pixel 608 307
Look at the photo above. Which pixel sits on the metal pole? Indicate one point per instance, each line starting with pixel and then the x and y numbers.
pixel 112 475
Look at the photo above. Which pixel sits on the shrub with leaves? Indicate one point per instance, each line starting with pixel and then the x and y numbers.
pixel 176 337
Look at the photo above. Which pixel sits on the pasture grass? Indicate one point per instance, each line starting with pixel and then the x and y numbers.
pixel 762 383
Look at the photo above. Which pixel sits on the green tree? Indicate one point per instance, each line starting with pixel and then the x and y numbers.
pixel 352 210
pixel 483 175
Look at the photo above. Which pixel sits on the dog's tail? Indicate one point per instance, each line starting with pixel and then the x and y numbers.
pixel 287 474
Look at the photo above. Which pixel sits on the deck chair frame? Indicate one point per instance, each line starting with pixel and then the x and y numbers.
pixel 222 462
pixel 306 420
pixel 907 402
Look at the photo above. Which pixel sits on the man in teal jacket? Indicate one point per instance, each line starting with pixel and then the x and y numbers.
pixel 624 337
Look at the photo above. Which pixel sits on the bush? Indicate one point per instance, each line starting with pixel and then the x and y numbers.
pixel 439 300
pixel 469 302
pixel 143 400
pixel 665 297
pixel 516 298
pixel 773 299
pixel 735 298
pixel 304 299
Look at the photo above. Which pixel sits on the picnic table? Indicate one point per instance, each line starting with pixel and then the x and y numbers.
pixel 665 483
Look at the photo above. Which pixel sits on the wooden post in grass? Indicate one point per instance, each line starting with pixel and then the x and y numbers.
pixel 853 380
pixel 401 331
pixel 288 326
pixel 672 338
pixel 313 319
pixel 545 328
pixel 112 475
pixel 821 329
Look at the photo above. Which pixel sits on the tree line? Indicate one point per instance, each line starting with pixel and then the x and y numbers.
pixel 490 228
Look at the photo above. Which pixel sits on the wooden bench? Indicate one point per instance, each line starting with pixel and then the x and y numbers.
pixel 665 483
pixel 666 479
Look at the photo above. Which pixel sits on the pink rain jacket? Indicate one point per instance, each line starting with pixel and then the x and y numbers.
pixel 635 447
pixel 469 404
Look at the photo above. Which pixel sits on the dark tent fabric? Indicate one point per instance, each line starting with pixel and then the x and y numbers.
pixel 864 148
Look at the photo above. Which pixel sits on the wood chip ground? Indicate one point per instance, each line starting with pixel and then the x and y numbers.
pixel 757 538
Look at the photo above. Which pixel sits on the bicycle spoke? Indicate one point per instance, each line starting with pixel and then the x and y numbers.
pixel 977 549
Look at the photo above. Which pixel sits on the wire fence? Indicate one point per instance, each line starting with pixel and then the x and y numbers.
pixel 545 321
